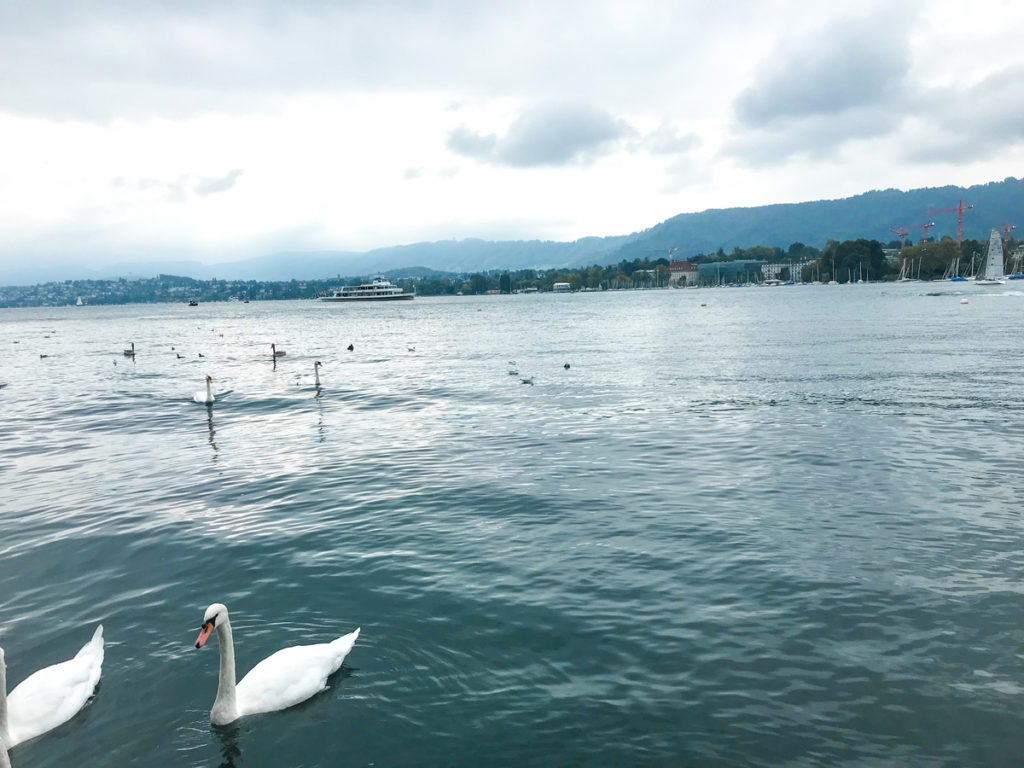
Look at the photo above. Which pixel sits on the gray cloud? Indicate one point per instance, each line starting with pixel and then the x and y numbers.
pixel 969 123
pixel 555 134
pixel 847 82
pixel 111 59
pixel 206 186
pixel 463 141
pixel 813 137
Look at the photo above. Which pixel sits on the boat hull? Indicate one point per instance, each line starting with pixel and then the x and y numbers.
pixel 357 299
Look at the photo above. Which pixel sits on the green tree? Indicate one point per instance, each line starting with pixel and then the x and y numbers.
pixel 477 283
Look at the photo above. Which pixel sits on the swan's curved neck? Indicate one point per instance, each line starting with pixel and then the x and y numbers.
pixel 316 372
pixel 3 708
pixel 209 397
pixel 224 705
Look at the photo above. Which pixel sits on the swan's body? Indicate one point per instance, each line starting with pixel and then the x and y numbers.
pixel 205 397
pixel 277 352
pixel 51 696
pixel 279 681
pixel 316 371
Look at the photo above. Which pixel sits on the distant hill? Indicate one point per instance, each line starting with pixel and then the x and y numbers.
pixel 869 215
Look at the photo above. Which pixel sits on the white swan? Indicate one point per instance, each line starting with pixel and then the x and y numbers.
pixel 51 696
pixel 316 371
pixel 281 680
pixel 130 352
pixel 277 352
pixel 205 397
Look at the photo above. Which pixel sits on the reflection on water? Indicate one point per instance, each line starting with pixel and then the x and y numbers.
pixel 212 432
pixel 320 415
pixel 230 752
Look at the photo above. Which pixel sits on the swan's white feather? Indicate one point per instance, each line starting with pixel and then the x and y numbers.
pixel 291 675
pixel 53 695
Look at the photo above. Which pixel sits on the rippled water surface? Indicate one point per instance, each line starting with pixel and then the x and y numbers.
pixel 783 529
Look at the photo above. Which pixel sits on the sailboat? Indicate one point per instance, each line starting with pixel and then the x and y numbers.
pixel 992 268
pixel 1015 272
pixel 907 272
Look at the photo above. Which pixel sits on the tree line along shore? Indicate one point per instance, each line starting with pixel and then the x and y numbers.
pixel 846 261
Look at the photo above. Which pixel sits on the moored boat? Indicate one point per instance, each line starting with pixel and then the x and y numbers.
pixel 992 268
pixel 378 290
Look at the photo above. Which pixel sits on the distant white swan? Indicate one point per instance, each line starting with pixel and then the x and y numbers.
pixel 316 371
pixel 207 396
pixel 277 352
pixel 281 680
pixel 51 696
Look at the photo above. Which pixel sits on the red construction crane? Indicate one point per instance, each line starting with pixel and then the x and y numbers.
pixel 902 233
pixel 1006 231
pixel 959 218
pixel 924 229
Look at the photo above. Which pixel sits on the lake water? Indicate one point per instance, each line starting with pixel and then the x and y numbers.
pixel 782 529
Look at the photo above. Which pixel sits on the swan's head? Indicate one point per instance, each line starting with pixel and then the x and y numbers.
pixel 318 364
pixel 209 379
pixel 216 613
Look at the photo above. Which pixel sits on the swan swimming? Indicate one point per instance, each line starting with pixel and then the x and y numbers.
pixel 49 697
pixel 281 680
pixel 207 396
pixel 130 352
pixel 316 371
pixel 277 352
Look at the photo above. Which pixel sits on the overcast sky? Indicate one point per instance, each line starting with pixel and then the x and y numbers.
pixel 220 130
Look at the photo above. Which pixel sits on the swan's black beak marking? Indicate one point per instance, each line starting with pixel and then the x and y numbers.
pixel 204 632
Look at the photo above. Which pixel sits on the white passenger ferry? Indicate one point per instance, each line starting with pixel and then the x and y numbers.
pixel 379 290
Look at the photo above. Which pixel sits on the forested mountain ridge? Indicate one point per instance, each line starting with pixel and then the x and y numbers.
pixel 871 215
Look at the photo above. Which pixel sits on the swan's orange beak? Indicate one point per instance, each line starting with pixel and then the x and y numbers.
pixel 204 634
